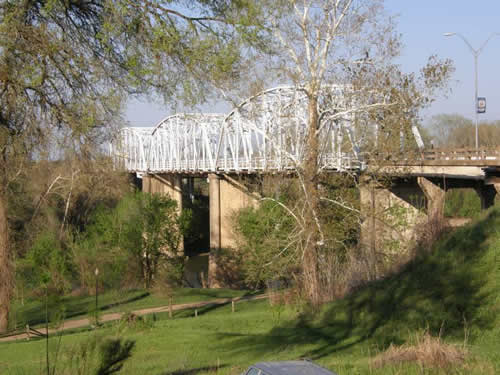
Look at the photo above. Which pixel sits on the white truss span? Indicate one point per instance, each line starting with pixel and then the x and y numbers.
pixel 266 133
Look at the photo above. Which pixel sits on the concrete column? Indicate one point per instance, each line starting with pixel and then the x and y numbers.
pixel 487 195
pixel 435 198
pixel 170 185
pixel 146 183
pixel 227 196
pixel 214 197
pixel 215 228
pixel 234 196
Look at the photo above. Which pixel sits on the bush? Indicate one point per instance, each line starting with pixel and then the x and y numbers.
pixel 264 233
pixel 46 264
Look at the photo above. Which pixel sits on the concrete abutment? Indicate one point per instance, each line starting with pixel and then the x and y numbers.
pixel 392 212
pixel 435 194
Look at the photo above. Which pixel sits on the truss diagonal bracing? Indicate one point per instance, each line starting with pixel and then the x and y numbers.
pixel 266 133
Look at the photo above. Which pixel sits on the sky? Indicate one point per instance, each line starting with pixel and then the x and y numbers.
pixel 422 24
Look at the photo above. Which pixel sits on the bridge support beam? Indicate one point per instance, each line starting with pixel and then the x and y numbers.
pixel 226 197
pixel 435 195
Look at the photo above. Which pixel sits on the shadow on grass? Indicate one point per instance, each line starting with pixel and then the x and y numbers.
pixel 441 291
pixel 190 313
pixel 217 293
pixel 130 300
pixel 207 308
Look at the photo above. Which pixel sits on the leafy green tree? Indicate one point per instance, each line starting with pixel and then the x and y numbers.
pixel 270 241
pixel 67 66
pixel 162 235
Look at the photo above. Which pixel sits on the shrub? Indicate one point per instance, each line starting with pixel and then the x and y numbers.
pixel 46 264
pixel 427 351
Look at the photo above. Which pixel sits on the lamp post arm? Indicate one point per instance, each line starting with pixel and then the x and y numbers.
pixel 486 42
pixel 474 51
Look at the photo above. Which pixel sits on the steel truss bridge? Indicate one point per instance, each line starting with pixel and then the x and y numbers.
pixel 265 133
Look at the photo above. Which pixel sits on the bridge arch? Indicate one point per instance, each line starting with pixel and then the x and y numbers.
pixel 129 149
pixel 184 142
pixel 265 133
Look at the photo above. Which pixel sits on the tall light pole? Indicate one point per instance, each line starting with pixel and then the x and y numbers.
pixel 96 273
pixel 475 53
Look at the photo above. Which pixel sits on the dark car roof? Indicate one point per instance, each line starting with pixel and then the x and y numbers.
pixel 292 368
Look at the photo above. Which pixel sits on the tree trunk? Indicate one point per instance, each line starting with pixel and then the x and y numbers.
pixel 5 271
pixel 310 173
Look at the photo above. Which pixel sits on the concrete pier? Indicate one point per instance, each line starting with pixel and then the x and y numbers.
pixel 227 196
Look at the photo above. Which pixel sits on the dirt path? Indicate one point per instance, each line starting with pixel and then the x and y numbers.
pixel 78 323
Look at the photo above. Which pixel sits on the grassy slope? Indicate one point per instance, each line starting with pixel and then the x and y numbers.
pixel 453 289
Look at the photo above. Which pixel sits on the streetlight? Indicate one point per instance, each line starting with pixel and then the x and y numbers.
pixel 475 53
pixel 96 272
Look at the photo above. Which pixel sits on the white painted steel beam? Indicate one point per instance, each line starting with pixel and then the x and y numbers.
pixel 265 133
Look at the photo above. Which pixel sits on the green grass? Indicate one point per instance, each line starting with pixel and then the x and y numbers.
pixel 452 291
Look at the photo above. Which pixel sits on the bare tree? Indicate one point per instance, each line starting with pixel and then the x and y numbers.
pixel 349 44
pixel 454 130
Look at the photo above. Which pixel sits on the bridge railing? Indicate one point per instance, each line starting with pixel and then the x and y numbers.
pixel 464 154
pixel 251 165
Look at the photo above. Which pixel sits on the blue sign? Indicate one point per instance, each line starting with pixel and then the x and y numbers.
pixel 481 105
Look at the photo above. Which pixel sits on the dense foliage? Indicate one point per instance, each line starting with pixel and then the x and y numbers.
pixel 130 244
pixel 264 236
